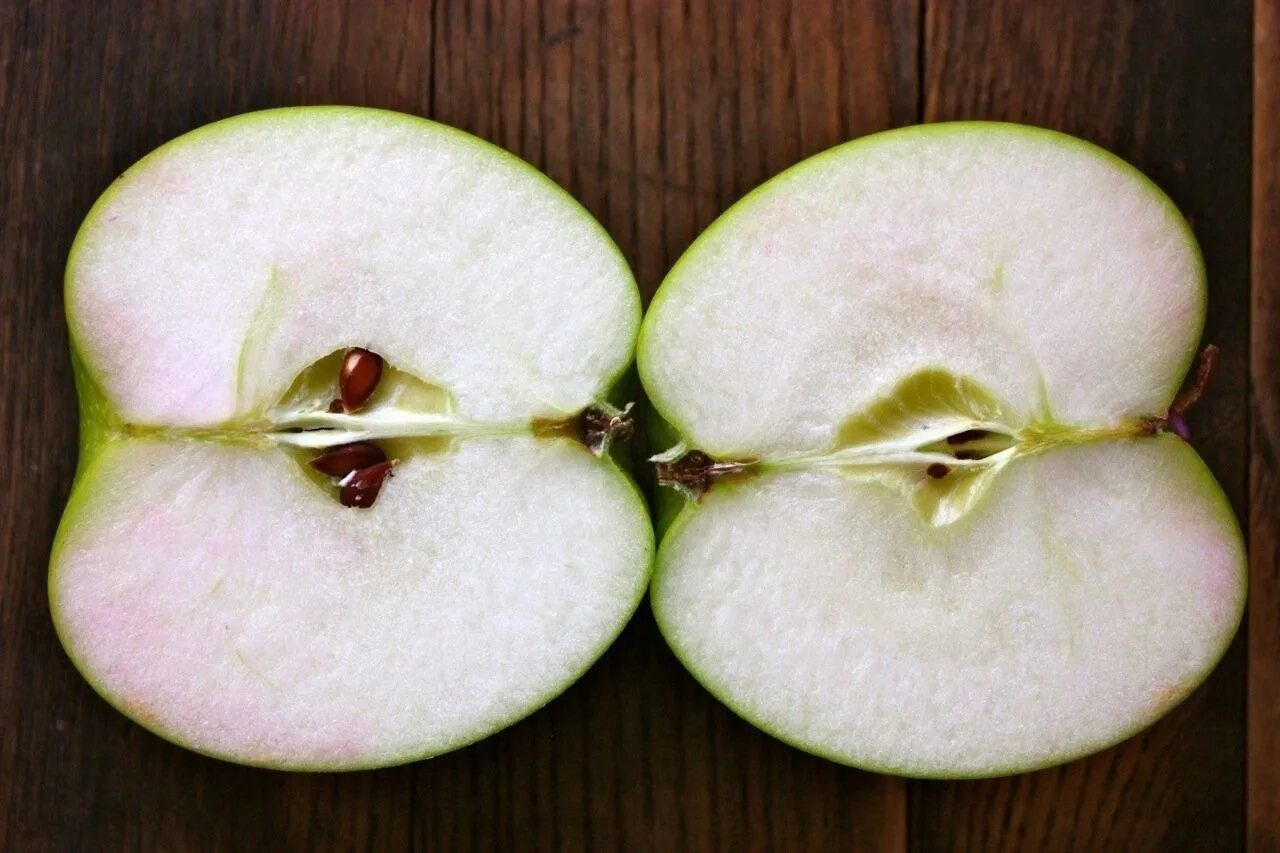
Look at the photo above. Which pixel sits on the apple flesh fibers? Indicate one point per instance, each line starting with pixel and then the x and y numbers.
pixel 206 579
pixel 943 529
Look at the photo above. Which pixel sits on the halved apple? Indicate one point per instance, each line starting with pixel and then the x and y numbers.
pixel 266 315
pixel 923 385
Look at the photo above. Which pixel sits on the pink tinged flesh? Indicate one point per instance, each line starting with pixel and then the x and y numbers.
pixel 129 628
pixel 199 392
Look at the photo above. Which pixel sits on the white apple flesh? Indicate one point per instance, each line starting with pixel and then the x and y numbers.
pixel 205 579
pixel 949 535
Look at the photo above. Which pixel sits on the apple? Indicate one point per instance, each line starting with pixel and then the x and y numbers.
pixel 343 497
pixel 922 394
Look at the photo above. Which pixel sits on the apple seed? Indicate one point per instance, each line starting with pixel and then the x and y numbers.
pixel 967 436
pixel 358 377
pixel 346 458
pixel 361 488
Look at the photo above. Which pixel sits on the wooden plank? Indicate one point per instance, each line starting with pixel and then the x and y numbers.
pixel 1263 781
pixel 657 116
pixel 1165 85
pixel 85 89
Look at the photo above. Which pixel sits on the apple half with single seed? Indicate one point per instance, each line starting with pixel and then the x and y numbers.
pixel 344 496
pixel 923 395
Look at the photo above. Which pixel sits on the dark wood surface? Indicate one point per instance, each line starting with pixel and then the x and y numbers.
pixel 1263 729
pixel 1140 79
pixel 656 115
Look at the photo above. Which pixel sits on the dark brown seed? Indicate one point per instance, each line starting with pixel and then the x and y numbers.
pixel 361 489
pixel 966 436
pixel 335 407
pixel 937 470
pixel 358 378
pixel 342 460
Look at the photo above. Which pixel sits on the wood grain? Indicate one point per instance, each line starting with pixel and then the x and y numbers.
pixel 657 116
pixel 1263 780
pixel 1138 79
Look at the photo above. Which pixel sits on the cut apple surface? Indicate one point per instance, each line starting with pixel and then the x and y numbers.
pixel 293 310
pixel 923 392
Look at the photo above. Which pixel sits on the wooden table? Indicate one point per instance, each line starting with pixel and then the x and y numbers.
pixel 657 116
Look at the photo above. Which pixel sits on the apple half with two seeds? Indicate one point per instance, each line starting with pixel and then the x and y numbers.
pixel 922 393
pixel 468 317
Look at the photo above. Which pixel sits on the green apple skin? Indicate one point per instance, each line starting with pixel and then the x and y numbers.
pixel 100 428
pixel 672 512
pixel 667 503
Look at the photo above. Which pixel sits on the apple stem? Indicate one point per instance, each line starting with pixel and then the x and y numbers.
pixel 1175 419
pixel 1205 363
